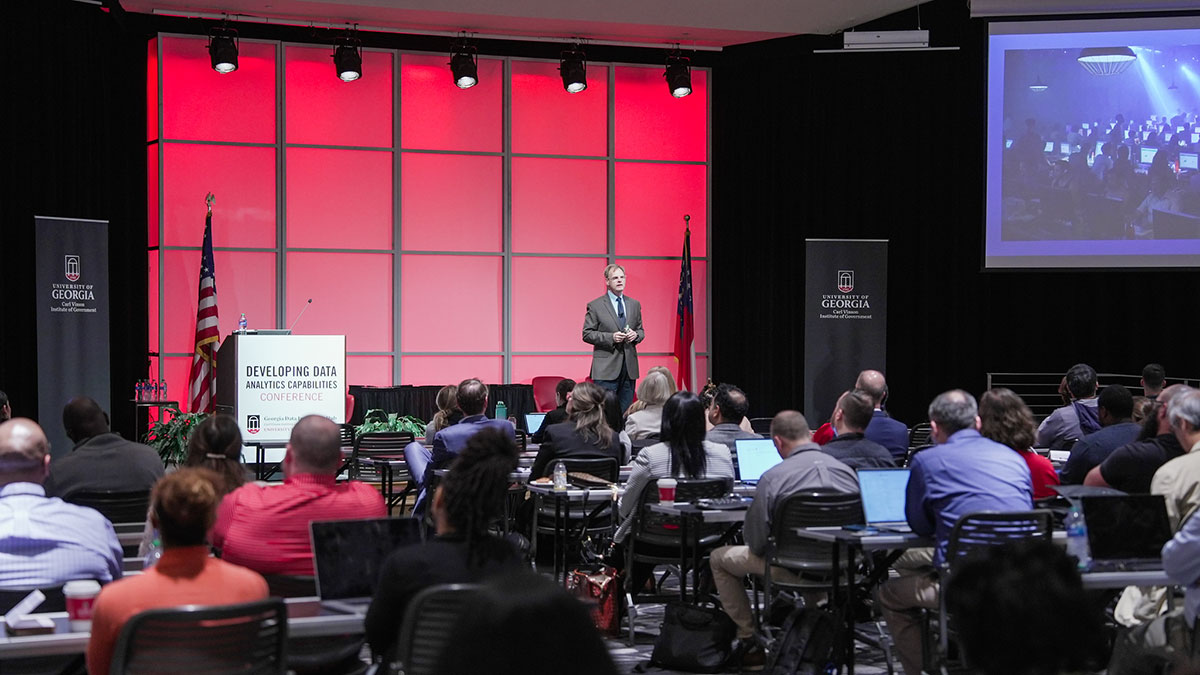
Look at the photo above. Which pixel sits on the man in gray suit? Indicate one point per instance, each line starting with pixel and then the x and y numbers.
pixel 613 326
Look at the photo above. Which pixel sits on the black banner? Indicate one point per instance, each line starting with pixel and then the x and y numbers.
pixel 72 319
pixel 845 319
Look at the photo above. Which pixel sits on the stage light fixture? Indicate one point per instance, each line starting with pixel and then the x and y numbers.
pixel 347 58
pixel 464 65
pixel 572 65
pixel 223 49
pixel 678 74
pixel 1038 86
pixel 1106 60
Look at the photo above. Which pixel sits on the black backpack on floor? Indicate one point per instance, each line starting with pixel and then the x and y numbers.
pixel 809 644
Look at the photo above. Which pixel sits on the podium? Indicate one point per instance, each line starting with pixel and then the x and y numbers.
pixel 267 381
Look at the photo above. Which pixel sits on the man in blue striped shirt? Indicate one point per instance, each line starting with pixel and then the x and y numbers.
pixel 45 541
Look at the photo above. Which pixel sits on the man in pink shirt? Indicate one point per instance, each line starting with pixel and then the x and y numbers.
pixel 265 527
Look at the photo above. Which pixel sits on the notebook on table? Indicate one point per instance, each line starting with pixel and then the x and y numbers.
pixel 754 457
pixel 533 421
pixel 1126 532
pixel 349 554
pixel 884 492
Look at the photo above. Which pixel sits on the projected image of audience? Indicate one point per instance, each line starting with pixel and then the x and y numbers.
pixel 1101 143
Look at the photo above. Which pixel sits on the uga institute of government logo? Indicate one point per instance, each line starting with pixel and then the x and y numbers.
pixel 252 423
pixel 845 280
pixel 71 267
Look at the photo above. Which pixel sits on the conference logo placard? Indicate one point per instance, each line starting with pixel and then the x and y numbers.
pixel 253 423
pixel 845 280
pixel 71 265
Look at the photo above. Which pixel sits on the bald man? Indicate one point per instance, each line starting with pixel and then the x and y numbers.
pixel 890 433
pixel 43 540
pixel 265 527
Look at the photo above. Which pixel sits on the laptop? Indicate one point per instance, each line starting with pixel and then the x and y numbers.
pixel 1126 532
pixel 348 556
pixel 754 457
pixel 884 492
pixel 533 421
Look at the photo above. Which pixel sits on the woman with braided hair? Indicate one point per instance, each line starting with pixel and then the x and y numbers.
pixel 466 502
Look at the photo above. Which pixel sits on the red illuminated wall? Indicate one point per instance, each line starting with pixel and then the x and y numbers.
pixel 440 245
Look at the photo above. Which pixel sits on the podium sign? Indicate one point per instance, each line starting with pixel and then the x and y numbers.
pixel 277 379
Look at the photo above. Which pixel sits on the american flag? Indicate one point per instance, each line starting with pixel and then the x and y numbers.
pixel 685 332
pixel 202 382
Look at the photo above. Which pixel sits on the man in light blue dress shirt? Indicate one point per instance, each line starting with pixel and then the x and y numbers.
pixel 45 541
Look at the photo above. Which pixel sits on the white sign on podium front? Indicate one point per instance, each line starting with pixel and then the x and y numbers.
pixel 281 378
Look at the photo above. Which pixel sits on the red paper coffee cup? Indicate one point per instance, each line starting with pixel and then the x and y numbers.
pixel 80 597
pixel 666 491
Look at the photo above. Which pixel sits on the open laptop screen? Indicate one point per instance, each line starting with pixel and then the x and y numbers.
pixel 533 421
pixel 1126 527
pixel 754 457
pixel 884 492
pixel 348 554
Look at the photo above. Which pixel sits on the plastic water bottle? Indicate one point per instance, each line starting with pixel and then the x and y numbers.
pixel 1077 542
pixel 242 323
pixel 137 391
pixel 501 410
pixel 162 388
pixel 155 553
pixel 560 477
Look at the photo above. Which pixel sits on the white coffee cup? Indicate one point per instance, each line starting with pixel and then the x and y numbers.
pixel 80 596
pixel 666 490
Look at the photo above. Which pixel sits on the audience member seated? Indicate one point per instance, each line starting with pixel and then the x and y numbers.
pixel 1115 410
pixel 472 400
pixel 1131 467
pixel 43 540
pixel 182 508
pixel 1078 418
pixel 671 389
pixel 1178 480
pixel 853 412
pixel 101 460
pixel 1154 376
pixel 683 453
pixel 447 411
pixel 653 391
pixel 553 629
pixel 612 415
pixel 728 408
pixel 890 433
pixel 216 445
pixel 962 474
pixel 265 527
pixel 5 408
pixel 1141 408
pixel 562 394
pixel 1004 418
pixel 805 466
pixel 585 434
pixel 1167 643
pixel 465 504
pixel 1021 608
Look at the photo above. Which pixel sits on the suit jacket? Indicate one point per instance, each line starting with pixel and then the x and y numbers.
pixel 890 433
pixel 450 441
pixel 599 324
pixel 563 441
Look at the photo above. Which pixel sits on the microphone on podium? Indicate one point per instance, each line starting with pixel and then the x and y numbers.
pixel 300 315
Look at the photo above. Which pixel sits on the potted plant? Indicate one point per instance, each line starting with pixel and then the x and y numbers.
pixel 378 420
pixel 170 432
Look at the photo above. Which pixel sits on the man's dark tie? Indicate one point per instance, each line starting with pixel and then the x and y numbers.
pixel 621 308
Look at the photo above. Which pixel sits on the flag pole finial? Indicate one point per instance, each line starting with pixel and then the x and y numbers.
pixel 209 199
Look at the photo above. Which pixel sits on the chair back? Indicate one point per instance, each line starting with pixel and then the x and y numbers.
pixel 920 435
pixel 243 638
pixel 663 530
pixel 346 436
pixel 349 407
pixel 54 602
pixel 428 625
pixel 810 508
pixel 600 467
pixel 761 425
pixel 379 444
pixel 522 440
pixel 975 532
pixel 641 444
pixel 543 392
pixel 118 507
